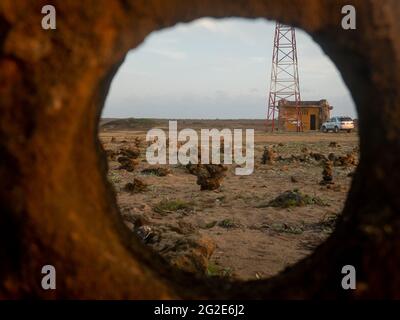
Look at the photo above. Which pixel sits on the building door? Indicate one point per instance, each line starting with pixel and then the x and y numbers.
pixel 312 122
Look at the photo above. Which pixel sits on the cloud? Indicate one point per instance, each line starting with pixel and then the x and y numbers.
pixel 216 68
pixel 225 28
pixel 168 53
pixel 214 25
pixel 207 24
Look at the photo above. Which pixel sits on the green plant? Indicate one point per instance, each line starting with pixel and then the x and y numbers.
pixel 156 171
pixel 214 270
pixel 167 206
pixel 327 224
pixel 293 198
pixel 210 225
pixel 285 228
pixel 227 224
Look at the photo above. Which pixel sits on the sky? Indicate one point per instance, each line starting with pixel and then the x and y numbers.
pixel 216 69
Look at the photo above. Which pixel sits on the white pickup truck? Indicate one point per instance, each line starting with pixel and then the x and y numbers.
pixel 337 124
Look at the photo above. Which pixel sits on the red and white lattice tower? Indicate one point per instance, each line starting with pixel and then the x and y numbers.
pixel 284 75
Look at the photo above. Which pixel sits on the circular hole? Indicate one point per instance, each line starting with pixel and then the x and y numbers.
pixel 205 74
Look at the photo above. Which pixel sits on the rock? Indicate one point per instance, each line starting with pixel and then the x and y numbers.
pixel 327 173
pixel 182 246
pixel 342 161
pixel 293 198
pixel 136 186
pixel 209 176
pixel 138 142
pixel 111 154
pixel 127 164
pixel 318 156
pixel 145 233
pixel 269 156
pixel 305 157
pixel 192 254
pixel 183 227
pixel 157 171
pixel 305 150
pixel 186 227
pixel 347 160
pixel 191 168
pixel 129 225
pixel 137 219
pixel 130 152
pixel 334 144
pixel 332 157
pixel 293 179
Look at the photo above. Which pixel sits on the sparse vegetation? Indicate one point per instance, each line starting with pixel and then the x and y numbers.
pixel 227 224
pixel 327 224
pixel 214 270
pixel 210 225
pixel 293 198
pixel 114 177
pixel 167 206
pixel 286 228
pixel 255 243
pixel 127 163
pixel 156 171
pixel 129 123
pixel 136 186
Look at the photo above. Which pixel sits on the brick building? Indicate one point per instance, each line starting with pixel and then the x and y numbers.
pixel 313 114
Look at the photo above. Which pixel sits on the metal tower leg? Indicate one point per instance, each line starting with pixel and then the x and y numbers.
pixel 284 76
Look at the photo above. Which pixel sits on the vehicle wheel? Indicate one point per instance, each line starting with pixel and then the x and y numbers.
pixel 324 130
pixel 349 131
pixel 336 130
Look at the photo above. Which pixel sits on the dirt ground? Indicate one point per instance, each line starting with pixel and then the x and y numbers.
pixel 241 236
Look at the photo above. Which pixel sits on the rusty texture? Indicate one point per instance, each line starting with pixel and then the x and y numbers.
pixel 57 207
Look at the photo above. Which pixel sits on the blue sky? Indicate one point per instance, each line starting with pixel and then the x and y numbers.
pixel 213 68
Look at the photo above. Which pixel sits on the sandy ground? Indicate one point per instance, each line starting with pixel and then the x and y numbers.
pixel 252 240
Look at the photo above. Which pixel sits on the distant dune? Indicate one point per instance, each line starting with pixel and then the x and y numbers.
pixel 108 124
pixel 139 124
